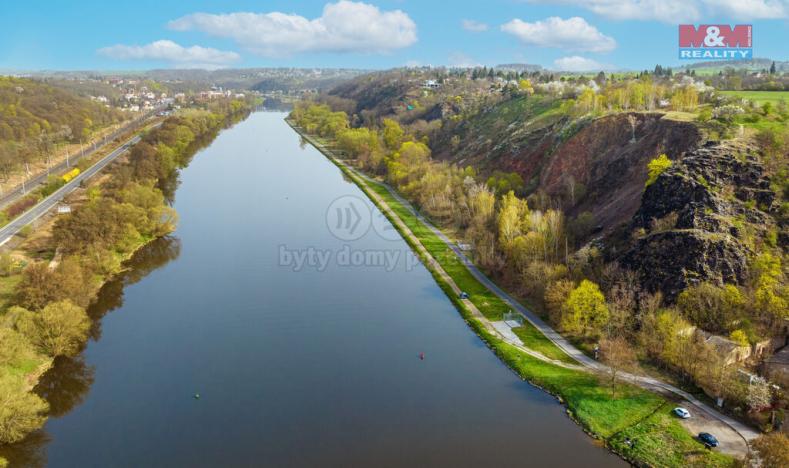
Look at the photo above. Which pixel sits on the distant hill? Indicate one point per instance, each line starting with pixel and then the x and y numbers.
pixel 518 67
pixel 259 79
pixel 755 64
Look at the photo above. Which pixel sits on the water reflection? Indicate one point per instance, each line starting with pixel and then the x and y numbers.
pixel 68 382
pixel 154 255
pixel 29 453
pixel 65 385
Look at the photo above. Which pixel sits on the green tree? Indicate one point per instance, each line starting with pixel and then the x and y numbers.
pixel 59 329
pixel 739 337
pixel 656 167
pixel 21 412
pixel 37 287
pixel 585 310
pixel 712 307
pixel 512 211
pixel 772 295
pixel 556 295
pixel 392 134
pixel 15 348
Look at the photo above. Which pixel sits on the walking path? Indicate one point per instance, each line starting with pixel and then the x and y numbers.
pixel 586 363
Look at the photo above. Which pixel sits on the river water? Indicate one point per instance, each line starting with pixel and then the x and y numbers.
pixel 344 360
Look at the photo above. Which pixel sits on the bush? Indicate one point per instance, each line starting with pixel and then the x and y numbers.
pixel 656 167
pixel 20 207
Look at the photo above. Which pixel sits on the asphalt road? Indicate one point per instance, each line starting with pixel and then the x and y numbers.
pixel 9 230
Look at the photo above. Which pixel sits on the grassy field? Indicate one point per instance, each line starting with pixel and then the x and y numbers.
pixel 630 412
pixel 760 97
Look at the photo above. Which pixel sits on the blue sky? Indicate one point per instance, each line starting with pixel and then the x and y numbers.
pixel 567 34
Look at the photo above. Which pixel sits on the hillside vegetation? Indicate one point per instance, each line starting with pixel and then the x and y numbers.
pixel 35 117
pixel 646 212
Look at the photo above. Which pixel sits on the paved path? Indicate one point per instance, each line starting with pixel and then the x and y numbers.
pixel 650 383
pixel 9 230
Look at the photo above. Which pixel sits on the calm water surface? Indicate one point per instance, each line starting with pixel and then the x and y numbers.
pixel 294 367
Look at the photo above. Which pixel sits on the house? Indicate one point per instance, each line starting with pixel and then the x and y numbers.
pixel 730 351
pixel 430 84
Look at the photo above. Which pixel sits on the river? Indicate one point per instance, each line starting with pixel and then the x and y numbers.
pixel 338 361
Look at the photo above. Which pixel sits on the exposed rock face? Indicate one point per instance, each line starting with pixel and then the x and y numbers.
pixel 671 261
pixel 593 165
pixel 691 222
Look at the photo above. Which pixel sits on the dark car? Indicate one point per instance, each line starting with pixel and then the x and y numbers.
pixel 708 439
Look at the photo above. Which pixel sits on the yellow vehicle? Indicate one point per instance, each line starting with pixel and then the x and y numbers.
pixel 68 176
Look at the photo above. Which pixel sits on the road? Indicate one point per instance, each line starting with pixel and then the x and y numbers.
pixel 40 178
pixel 650 383
pixel 9 230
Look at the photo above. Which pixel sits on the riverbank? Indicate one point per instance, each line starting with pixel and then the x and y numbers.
pixel 633 414
pixel 71 257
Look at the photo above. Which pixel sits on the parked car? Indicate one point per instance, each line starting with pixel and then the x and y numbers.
pixel 708 439
pixel 464 295
pixel 682 413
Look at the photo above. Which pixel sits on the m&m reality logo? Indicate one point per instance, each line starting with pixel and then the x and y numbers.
pixel 715 42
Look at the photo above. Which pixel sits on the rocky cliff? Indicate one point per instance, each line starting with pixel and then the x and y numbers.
pixel 698 221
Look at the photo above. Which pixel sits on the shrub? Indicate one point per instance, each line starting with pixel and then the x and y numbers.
pixel 656 167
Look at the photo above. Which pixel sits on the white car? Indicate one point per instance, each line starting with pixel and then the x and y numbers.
pixel 682 413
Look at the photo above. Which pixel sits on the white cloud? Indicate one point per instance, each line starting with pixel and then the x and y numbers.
pixel 577 63
pixel 175 54
pixel 678 11
pixel 572 34
pixel 474 26
pixel 750 9
pixel 344 26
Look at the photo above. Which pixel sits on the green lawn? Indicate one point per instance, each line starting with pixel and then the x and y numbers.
pixel 534 339
pixel 662 441
pixel 760 97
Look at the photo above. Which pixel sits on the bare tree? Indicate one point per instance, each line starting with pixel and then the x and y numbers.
pixel 617 354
